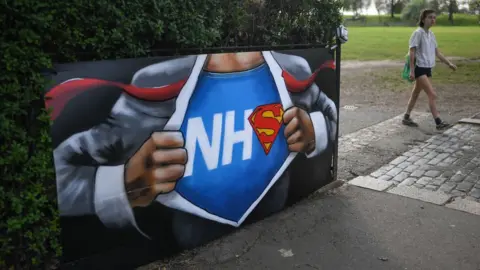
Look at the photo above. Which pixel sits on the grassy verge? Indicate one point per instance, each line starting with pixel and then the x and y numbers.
pixel 467 74
pixel 379 43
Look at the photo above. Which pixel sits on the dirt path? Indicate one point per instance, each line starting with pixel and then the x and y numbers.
pixel 366 99
pixel 354 64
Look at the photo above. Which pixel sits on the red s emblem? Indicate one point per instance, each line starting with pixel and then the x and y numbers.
pixel 266 120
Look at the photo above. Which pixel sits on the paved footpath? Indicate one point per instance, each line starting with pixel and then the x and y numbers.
pixel 359 228
pixel 444 170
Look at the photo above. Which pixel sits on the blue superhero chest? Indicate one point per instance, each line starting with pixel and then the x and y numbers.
pixel 234 139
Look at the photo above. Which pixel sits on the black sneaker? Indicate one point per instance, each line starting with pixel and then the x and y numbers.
pixel 409 122
pixel 443 126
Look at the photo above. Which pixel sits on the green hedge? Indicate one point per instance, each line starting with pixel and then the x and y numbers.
pixel 35 33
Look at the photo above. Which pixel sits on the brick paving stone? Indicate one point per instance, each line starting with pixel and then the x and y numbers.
pixel 401 176
pixel 386 168
pixel 421 161
pixel 450 160
pixel 422 153
pixel 398 160
pixel 431 146
pixel 413 158
pixel 476 171
pixel 475 192
pixel 449 150
pixel 431 187
pixel 471 165
pixel 424 180
pixel 385 177
pixel 436 141
pixel 433 173
pixel 443 165
pixel 464 186
pixel 393 172
pixel 418 185
pixel 447 187
pixel 377 173
pixel 417 173
pixel 457 193
pixel 431 155
pixel 404 165
pixel 458 178
pixel 471 178
pixel 414 150
pixel 476 160
pixel 470 198
pixel 408 182
pixel 434 161
pixel 411 168
pixel 461 162
pixel 426 167
pixel 442 156
pixel 448 174
pixel 438 181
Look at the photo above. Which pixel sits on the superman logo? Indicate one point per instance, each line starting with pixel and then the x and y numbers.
pixel 266 121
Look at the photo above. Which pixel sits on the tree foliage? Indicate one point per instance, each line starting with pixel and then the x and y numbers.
pixel 474 6
pixel 36 33
pixel 412 10
pixel 356 5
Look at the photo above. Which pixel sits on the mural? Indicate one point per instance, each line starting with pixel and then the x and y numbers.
pixel 176 152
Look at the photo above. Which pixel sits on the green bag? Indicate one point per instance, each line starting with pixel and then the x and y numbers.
pixel 406 68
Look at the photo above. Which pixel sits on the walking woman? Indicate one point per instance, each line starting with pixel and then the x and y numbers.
pixel 423 49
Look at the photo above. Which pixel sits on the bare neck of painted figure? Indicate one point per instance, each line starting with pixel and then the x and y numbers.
pixel 233 62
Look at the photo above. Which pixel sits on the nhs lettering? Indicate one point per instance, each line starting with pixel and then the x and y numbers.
pixel 210 146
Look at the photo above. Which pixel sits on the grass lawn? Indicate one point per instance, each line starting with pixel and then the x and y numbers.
pixel 467 74
pixel 442 20
pixel 380 43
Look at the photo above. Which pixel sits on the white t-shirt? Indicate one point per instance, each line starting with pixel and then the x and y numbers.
pixel 425 44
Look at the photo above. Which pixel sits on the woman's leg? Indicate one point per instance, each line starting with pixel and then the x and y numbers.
pixel 426 84
pixel 411 103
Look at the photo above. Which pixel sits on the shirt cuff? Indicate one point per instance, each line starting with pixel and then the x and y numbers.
pixel 111 203
pixel 321 133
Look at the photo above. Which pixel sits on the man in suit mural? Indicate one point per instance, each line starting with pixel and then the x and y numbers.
pixel 210 137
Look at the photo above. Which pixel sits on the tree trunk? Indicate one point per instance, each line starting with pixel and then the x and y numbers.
pixel 450 12
pixel 392 8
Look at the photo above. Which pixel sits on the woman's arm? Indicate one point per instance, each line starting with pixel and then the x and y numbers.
pixel 412 58
pixel 443 59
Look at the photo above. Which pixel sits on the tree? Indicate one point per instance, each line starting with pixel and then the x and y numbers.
pixel 452 7
pixel 393 6
pixel 380 6
pixel 435 5
pixel 413 9
pixel 356 5
pixel 474 6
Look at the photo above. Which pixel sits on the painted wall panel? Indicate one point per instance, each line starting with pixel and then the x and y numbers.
pixel 155 155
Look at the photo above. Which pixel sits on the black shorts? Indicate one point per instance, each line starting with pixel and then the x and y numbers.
pixel 420 71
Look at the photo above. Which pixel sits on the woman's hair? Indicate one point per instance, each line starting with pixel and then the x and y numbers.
pixel 424 15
